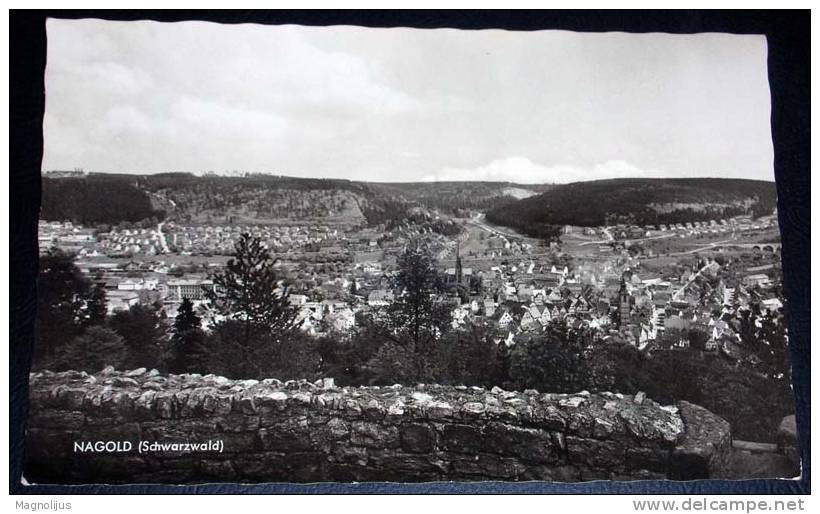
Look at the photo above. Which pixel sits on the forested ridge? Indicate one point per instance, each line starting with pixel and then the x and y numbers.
pixel 113 198
pixel 95 199
pixel 638 201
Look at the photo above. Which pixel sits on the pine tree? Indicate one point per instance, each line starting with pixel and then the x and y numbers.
pixel 96 306
pixel 95 349
pixel 249 291
pixel 186 319
pixel 418 311
pixel 254 302
pixel 187 351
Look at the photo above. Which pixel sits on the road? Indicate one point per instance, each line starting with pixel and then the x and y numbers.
pixel 676 295
pixel 162 241
pixel 625 241
pixel 477 220
pixel 707 246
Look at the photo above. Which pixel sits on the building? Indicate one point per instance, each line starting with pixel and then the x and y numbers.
pixel 624 304
pixel 191 289
pixel 120 300
pixel 458 276
pixel 379 298
pixel 758 279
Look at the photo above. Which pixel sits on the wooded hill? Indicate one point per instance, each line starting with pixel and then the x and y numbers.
pixel 638 201
pixel 114 198
pixel 95 199
pixel 453 197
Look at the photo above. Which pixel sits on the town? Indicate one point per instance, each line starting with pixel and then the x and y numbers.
pixel 662 287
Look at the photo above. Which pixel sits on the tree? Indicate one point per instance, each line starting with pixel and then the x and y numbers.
pixel 67 303
pixel 142 334
pixel 96 306
pixel 186 319
pixel 258 317
pixel 417 316
pixel 556 362
pixel 248 290
pixel 92 351
pixel 418 311
pixel 617 367
pixel 397 342
pixel 293 357
pixel 187 352
pixel 769 343
pixel 474 357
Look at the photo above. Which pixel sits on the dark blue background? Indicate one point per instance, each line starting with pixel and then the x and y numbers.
pixel 788 35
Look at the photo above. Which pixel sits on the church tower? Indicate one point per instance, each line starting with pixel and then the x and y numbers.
pixel 458 263
pixel 623 303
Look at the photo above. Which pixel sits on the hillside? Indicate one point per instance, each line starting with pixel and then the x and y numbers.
pixel 184 197
pixel 638 201
pixel 96 199
pixel 535 210
pixel 258 198
pixel 450 197
pixel 114 198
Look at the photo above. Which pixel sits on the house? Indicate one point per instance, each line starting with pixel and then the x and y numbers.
pixel 525 292
pixel 372 267
pixel 379 298
pixel 489 307
pixel 305 322
pixel 772 304
pixel 528 321
pixel 546 315
pixel 505 319
pixel 459 315
pixel 676 323
pixel 297 299
pixel 120 300
pixel 757 279
pixel 130 284
pixel 578 306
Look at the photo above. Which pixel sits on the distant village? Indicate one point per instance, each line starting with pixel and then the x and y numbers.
pixel 625 281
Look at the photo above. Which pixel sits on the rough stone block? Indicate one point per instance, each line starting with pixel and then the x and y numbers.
pixel 787 442
pixel 418 437
pixel 594 453
pixel 373 435
pixel 705 447
pixel 490 466
pixel 462 438
pixel 529 444
pixel 51 418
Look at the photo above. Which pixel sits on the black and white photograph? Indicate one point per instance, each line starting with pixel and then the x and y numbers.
pixel 301 254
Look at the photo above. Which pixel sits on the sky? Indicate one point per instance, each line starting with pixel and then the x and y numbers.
pixel 404 105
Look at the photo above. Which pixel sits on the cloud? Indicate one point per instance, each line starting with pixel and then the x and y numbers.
pixel 521 170
pixel 216 117
pixel 280 70
pixel 399 104
pixel 206 95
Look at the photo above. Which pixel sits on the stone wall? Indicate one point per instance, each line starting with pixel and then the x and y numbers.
pixel 264 431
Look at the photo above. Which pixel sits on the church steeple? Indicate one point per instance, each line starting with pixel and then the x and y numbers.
pixel 624 303
pixel 458 262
